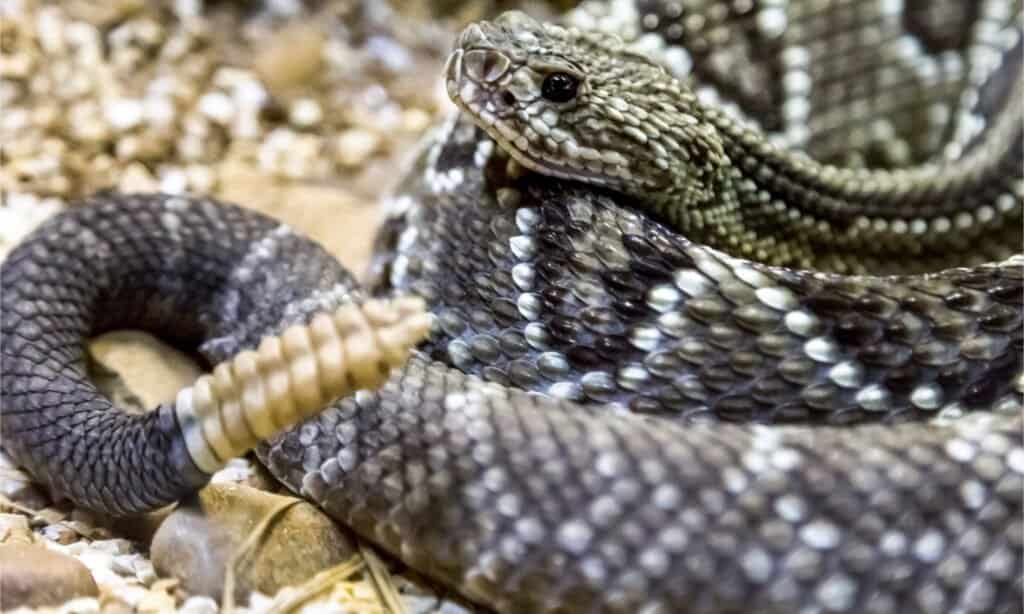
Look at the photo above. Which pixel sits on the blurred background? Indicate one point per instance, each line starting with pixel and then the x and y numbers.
pixel 301 108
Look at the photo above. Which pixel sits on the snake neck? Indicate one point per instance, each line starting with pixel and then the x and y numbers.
pixel 767 203
pixel 582 106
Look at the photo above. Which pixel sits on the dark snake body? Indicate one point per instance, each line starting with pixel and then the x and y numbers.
pixel 648 479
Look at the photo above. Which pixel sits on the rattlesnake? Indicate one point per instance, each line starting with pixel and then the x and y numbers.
pixel 617 409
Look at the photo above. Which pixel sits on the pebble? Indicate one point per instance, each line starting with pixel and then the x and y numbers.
pixel 155 602
pixel 415 120
pixel 21 214
pixel 124 114
pixel 14 529
pixel 196 542
pixel 354 147
pixel 141 367
pixel 305 113
pixel 217 106
pixel 112 546
pixel 81 605
pixel 137 178
pixel 60 534
pixel 34 576
pixel 199 604
pixel 292 58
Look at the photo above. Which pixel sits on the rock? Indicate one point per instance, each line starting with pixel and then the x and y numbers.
pixel 140 528
pixel 151 371
pixel 14 529
pixel 199 605
pixel 292 58
pixel 21 214
pixel 305 113
pixel 17 486
pixel 33 576
pixel 49 515
pixel 155 602
pixel 335 218
pixel 128 597
pixel 198 540
pixel 83 605
pixel 113 605
pixel 137 178
pixel 248 472
pixel 60 534
pixel 354 147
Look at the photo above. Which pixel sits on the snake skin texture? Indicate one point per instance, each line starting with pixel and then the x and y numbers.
pixel 580 105
pixel 610 415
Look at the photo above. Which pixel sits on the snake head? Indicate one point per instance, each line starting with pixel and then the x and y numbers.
pixel 579 105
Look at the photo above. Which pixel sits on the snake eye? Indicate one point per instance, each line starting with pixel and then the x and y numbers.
pixel 559 87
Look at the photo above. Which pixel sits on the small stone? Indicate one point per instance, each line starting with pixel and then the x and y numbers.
pixel 148 371
pixel 135 565
pixel 450 607
pixel 128 594
pixel 248 472
pixel 145 572
pixel 60 534
pixel 87 529
pixel 159 110
pixel 14 529
pixel 16 66
pixel 33 576
pixel 114 605
pixel 199 605
pixel 355 146
pixel 415 120
pixel 156 602
pixel 198 539
pixel 124 114
pixel 305 112
pixel 258 602
pixel 16 485
pixel 173 180
pixel 188 8
pixel 88 524
pixel 81 605
pixel 292 58
pixel 136 178
pixel 49 515
pixel 201 179
pixel 100 563
pixel 124 564
pixel 420 604
pixel 18 217
pixel 112 546
pixel 105 13
pixel 217 106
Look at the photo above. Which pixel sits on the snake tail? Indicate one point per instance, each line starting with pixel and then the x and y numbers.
pixel 292 376
pixel 208 278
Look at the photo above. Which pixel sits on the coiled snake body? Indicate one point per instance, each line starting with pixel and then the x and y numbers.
pixel 716 434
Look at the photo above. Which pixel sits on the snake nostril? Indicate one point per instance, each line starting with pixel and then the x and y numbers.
pixel 508 98
pixel 486 65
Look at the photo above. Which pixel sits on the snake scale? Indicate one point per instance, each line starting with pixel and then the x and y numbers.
pixel 726 318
